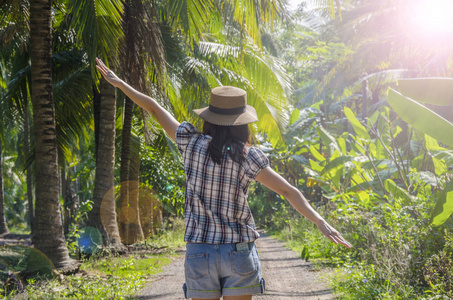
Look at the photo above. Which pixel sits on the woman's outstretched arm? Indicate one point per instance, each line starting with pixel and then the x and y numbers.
pixel 278 184
pixel 165 119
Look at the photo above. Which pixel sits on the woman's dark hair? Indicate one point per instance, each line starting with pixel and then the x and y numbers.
pixel 230 138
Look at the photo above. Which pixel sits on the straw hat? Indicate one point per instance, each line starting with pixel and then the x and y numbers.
pixel 228 107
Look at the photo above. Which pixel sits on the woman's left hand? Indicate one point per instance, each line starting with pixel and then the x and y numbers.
pixel 332 234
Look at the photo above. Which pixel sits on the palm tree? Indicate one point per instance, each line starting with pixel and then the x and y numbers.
pixel 3 225
pixel 143 48
pixel 103 214
pixel 48 234
pixel 98 25
pixel 29 170
pixel 14 35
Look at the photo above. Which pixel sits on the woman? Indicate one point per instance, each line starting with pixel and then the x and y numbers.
pixel 219 164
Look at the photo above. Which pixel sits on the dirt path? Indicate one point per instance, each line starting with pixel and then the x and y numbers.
pixel 287 277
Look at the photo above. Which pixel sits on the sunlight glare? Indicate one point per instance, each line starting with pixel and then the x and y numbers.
pixel 434 16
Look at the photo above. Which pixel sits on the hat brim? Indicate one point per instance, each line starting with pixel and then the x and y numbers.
pixel 249 116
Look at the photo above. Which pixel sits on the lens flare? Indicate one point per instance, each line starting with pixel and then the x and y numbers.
pixel 90 240
pixel 433 16
pixel 128 215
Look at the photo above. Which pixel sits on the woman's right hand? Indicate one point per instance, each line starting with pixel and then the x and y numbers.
pixel 108 74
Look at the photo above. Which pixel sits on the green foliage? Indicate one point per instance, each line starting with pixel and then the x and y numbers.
pixel 421 117
pixel 73 235
pixel 358 127
pixel 305 254
pixel 363 282
pixel 444 206
pixel 15 194
pixel 430 90
pixel 377 185
pixel 163 173
pixel 170 236
pixel 377 178
pixel 109 278
pixel 13 261
pixel 102 277
pixel 439 269
pixel 125 266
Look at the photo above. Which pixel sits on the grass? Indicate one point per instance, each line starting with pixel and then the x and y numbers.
pixel 107 278
pixel 100 277
pixel 22 230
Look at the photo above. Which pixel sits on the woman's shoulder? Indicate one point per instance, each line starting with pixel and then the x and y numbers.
pixel 186 134
pixel 252 151
pixel 187 127
pixel 255 161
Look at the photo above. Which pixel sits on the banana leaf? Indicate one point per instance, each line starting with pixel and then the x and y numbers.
pixel 340 161
pixel 328 139
pixel 421 117
pixel 358 127
pixel 438 91
pixel 444 206
pixel 397 192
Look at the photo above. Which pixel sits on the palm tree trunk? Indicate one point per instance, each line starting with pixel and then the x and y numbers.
pixel 103 214
pixel 3 225
pixel 97 116
pixel 130 227
pixel 31 210
pixel 48 234
pixel 130 223
pixel 135 230
pixel 126 214
pixel 69 198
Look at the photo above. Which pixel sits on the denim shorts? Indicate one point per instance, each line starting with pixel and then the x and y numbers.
pixel 216 270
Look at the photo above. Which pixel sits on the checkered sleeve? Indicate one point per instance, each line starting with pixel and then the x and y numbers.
pixel 184 133
pixel 256 161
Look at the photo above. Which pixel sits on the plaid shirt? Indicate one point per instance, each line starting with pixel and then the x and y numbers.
pixel 216 209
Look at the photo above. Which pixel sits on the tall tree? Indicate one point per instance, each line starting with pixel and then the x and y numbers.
pixel 3 225
pixel 103 214
pixel 98 25
pixel 31 209
pixel 48 234
pixel 14 37
pixel 143 47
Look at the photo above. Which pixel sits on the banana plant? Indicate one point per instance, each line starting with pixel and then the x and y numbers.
pixel 374 157
pixel 408 104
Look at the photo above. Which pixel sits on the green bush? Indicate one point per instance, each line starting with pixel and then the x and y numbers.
pixel 163 173
pixel 438 269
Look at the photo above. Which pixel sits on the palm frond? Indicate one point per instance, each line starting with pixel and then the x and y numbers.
pixel 17 91
pixel 72 93
pixel 209 48
pixel 98 25
pixel 253 15
pixel 192 16
pixel 330 6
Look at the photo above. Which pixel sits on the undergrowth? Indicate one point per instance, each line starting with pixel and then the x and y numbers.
pixel 101 276
pixel 396 253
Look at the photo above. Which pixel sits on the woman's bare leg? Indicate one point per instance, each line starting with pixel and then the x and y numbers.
pixel 243 297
